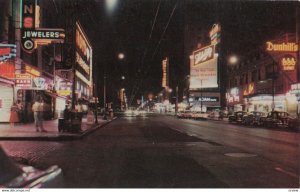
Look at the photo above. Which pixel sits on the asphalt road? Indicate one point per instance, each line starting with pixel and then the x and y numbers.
pixel 162 151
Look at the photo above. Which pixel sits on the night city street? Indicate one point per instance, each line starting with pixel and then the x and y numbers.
pixel 149 94
pixel 161 151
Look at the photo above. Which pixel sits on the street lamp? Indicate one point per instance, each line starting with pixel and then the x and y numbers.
pixel 104 98
pixel 121 56
pixel 233 60
pixel 96 103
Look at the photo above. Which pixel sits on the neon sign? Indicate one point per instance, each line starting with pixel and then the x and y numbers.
pixel 23 81
pixel 165 73
pixel 214 34
pixel 7 51
pixel 288 63
pixel 249 89
pixel 282 47
pixel 32 71
pixel 31 38
pixel 203 55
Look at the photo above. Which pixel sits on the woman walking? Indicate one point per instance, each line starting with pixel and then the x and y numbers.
pixel 13 115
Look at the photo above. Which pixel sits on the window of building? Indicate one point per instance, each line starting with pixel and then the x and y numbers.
pixel 254 76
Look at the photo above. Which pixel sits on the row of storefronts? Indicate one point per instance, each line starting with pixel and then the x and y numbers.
pixel 42 62
pixel 269 81
pixel 289 102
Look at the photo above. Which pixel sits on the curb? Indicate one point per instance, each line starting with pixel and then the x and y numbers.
pixel 58 137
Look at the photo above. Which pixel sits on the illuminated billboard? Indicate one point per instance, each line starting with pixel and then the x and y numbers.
pixel 83 55
pixel 204 69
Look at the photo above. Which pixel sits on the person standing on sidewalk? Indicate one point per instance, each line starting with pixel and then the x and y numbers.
pixel 37 109
pixel 13 115
pixel 20 111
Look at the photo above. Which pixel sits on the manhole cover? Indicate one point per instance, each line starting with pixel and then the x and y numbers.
pixel 240 155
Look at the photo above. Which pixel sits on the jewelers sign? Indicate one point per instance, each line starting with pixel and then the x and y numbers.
pixel 31 36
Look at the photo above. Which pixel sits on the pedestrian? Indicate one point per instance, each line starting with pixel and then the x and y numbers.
pixel 13 115
pixel 20 111
pixel 37 109
pixel 79 110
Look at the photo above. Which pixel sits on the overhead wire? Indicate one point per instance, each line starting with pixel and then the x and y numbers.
pixel 154 53
pixel 147 45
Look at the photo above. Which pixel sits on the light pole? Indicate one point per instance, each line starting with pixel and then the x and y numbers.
pixel 176 103
pixel 201 95
pixel 104 98
pixel 96 103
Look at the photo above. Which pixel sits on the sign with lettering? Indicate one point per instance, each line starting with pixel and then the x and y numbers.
pixel 208 99
pixel 165 71
pixel 215 34
pixel 233 95
pixel 7 51
pixel 28 14
pixel 7 69
pixel 31 38
pixel 23 81
pixel 281 47
pixel 203 55
pixel 204 75
pixel 249 89
pixel 28 69
pixel 288 63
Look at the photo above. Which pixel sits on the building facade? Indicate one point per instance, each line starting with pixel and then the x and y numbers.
pixel 266 79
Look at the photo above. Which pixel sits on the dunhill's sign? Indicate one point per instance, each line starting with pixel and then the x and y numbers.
pixel 282 47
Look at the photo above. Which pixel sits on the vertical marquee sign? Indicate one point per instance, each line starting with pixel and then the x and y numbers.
pixel 165 73
pixel 31 36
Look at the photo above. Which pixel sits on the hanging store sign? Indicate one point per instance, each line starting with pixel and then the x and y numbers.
pixel 31 70
pixel 203 55
pixel 31 35
pixel 281 47
pixel 7 51
pixel 7 69
pixel 23 81
pixel 249 89
pixel 31 38
pixel 288 63
pixel 28 14
pixel 233 95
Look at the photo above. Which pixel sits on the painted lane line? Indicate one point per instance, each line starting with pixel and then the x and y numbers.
pixel 286 172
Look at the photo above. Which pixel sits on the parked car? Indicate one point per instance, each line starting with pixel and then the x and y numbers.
pixel 294 123
pixel 184 115
pixel 200 115
pixel 276 119
pixel 252 118
pixel 236 117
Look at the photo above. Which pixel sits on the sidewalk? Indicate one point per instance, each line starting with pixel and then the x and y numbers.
pixel 28 132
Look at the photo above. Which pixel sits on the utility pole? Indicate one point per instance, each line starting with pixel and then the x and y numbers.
pixel 201 96
pixel 273 86
pixel 104 97
pixel 96 103
pixel 176 104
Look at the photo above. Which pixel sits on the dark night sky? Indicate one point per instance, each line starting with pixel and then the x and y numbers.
pixel 245 26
